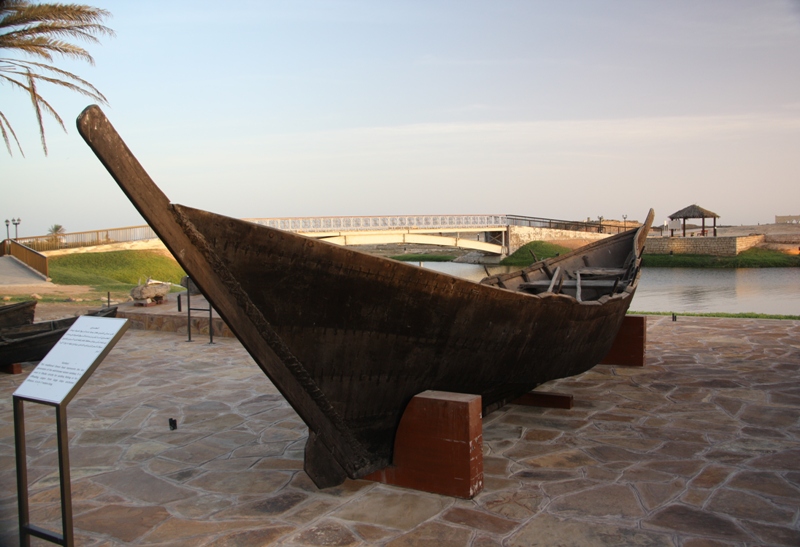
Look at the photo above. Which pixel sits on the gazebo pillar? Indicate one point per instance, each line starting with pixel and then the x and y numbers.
pixel 684 227
pixel 703 227
pixel 715 226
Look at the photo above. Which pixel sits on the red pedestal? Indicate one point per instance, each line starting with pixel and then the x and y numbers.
pixel 13 368
pixel 438 446
pixel 630 344
pixel 545 399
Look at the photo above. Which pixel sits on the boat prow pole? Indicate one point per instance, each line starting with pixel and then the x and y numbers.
pixel 332 450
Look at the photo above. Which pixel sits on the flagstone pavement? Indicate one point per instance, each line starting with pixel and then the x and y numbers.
pixel 699 448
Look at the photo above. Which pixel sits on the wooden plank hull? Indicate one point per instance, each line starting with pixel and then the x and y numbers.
pixel 20 313
pixel 350 338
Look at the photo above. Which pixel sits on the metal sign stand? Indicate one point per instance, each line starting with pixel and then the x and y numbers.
pixel 54 382
pixel 26 529
pixel 190 309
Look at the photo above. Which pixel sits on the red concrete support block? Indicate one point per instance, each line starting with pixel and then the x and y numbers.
pixel 545 399
pixel 438 446
pixel 630 344
pixel 13 368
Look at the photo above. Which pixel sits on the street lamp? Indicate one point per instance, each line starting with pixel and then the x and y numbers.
pixel 16 223
pixel 7 223
pixel 624 225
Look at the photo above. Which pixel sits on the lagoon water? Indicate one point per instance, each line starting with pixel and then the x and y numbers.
pixel 699 290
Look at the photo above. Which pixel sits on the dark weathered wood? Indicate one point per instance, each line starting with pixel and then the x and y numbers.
pixel 630 345
pixel 603 271
pixel 207 271
pixel 545 399
pixel 349 339
pixel 556 278
pixel 21 313
pixel 569 283
pixel 438 447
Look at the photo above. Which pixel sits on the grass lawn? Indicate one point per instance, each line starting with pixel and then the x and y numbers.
pixel 542 249
pixel 116 271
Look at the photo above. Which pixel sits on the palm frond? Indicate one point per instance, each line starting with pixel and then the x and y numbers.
pixel 40 46
pixel 5 129
pixel 44 31
pixel 90 91
pixel 24 13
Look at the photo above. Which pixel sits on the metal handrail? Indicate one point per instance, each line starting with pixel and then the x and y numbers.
pixel 372 223
pixel 572 225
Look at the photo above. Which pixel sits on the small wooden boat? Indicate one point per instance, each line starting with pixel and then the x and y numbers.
pixel 20 313
pixel 349 338
pixel 32 342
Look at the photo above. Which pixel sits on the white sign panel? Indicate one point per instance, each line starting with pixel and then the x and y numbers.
pixel 59 376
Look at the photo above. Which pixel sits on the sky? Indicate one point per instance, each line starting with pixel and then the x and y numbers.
pixel 570 110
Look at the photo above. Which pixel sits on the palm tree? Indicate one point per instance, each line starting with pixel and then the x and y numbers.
pixel 42 31
pixel 55 232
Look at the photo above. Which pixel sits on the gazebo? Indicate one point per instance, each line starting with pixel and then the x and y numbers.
pixel 694 211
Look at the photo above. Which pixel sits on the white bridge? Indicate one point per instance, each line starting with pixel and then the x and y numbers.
pixel 487 233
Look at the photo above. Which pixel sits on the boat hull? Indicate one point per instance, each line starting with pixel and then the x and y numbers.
pixel 371 333
pixel 350 338
pixel 21 313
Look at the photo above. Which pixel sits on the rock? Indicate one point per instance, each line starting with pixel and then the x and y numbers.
pixel 152 289
pixel 472 257
pixel 6 298
pixel 36 296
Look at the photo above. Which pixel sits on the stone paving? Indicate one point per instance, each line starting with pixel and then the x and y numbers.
pixel 699 448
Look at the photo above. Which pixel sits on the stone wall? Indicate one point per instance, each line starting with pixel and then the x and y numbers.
pixel 714 246
pixel 520 235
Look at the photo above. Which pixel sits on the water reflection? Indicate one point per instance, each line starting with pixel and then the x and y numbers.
pixel 759 290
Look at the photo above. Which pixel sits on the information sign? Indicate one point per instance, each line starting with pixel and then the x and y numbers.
pixel 59 376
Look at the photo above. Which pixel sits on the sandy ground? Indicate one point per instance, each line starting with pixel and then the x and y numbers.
pixel 46 311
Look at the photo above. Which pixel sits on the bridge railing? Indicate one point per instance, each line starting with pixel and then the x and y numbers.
pixel 366 223
pixel 572 225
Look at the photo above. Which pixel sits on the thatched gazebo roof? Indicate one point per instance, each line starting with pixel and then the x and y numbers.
pixel 693 211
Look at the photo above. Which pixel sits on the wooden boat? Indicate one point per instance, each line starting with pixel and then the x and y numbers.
pixel 349 338
pixel 20 313
pixel 32 342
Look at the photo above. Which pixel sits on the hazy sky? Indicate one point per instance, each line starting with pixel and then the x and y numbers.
pixel 568 109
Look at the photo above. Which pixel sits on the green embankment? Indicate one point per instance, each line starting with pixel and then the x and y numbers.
pixel 542 249
pixel 751 258
pixel 115 271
